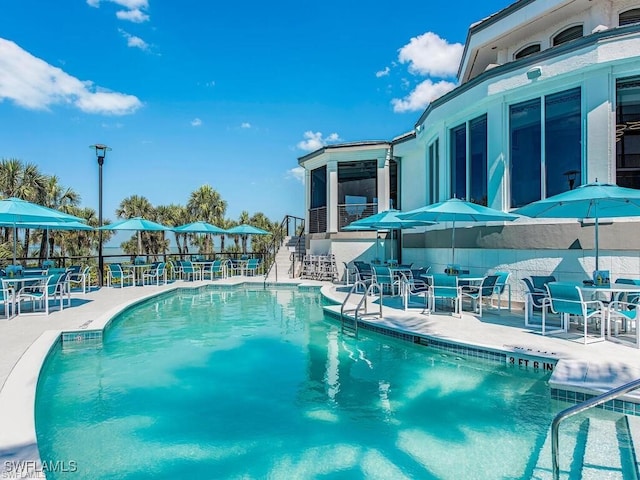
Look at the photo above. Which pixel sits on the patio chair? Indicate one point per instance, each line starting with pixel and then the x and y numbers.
pixel 156 274
pixel 190 272
pixel 7 298
pixel 623 312
pixel 217 269
pixel 79 277
pixel 39 294
pixel 251 268
pixel 566 300
pixel 383 276
pixel 116 275
pixel 501 285
pixel 411 288
pixel 364 273
pixel 476 293
pixel 446 287
pixel 534 300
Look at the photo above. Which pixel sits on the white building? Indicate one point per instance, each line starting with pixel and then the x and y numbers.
pixel 548 99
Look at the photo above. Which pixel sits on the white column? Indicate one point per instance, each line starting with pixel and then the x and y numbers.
pixel 383 183
pixel 307 199
pixel 599 129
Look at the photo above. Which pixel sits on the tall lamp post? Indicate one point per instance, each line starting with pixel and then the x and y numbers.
pixel 101 152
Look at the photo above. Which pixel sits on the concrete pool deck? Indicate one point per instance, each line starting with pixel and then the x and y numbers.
pixel 25 342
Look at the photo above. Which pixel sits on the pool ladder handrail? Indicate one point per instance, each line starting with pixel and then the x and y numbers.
pixel 581 407
pixel 368 288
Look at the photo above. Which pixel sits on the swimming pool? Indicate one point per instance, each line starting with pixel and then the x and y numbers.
pixel 254 383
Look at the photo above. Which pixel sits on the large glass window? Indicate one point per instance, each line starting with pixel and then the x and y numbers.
pixel 357 190
pixel 525 129
pixel 459 161
pixel 563 135
pixel 546 156
pixel 478 160
pixel 628 132
pixel 319 187
pixel 434 171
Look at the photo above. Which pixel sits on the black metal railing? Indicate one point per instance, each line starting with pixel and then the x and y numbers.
pixel 318 220
pixel 350 212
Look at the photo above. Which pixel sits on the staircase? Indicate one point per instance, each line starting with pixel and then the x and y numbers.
pixel 284 259
pixel 594 447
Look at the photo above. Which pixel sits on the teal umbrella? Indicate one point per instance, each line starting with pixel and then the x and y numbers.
pixel 54 226
pixel 245 230
pixel 387 220
pixel 199 227
pixel 14 211
pixel 137 224
pixel 453 210
pixel 592 200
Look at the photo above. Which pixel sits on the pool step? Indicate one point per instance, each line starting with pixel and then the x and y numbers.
pixel 593 449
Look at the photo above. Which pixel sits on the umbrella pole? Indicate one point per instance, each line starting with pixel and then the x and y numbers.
pixel 453 243
pixel 15 242
pixel 595 207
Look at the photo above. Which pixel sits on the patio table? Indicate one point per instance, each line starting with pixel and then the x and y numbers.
pixel 138 272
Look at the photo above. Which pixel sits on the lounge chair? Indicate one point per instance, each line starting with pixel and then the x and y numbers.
pixel 118 276
pixel 566 300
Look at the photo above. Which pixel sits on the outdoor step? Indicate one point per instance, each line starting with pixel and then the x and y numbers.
pixel 571 443
pixel 633 423
pixel 602 453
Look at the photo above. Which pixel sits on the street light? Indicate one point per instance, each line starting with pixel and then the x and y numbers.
pixel 101 152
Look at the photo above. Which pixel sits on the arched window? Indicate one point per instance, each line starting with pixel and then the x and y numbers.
pixel 567 35
pixel 526 51
pixel 629 17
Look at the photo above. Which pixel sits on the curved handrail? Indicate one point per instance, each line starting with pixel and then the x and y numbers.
pixel 368 290
pixel 574 410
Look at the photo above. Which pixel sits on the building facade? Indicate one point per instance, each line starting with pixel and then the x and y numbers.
pixel 548 99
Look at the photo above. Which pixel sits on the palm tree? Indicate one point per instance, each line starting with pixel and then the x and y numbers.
pixel 173 216
pixel 54 195
pixel 205 204
pixel 244 219
pixel 135 206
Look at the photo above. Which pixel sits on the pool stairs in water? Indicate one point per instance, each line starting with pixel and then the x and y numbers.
pixel 594 449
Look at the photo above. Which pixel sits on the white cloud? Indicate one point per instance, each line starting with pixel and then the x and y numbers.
pixel 245 125
pixel 296 173
pixel 135 16
pixel 421 96
pixel 133 41
pixel 196 122
pixel 314 141
pixel 32 83
pixel 428 54
pixel 134 9
pixel 383 73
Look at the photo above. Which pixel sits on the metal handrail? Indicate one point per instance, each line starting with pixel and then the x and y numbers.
pixel 278 241
pixel 367 291
pixel 574 410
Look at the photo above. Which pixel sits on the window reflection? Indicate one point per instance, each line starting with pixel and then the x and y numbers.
pixel 525 131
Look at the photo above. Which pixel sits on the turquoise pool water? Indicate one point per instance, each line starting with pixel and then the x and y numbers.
pixel 249 383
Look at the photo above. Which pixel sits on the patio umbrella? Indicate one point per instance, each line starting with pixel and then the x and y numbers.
pixel 387 220
pixel 455 209
pixel 14 211
pixel 591 200
pixel 245 230
pixel 136 224
pixel 74 225
pixel 199 227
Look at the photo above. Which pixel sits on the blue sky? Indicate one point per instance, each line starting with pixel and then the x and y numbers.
pixel 228 94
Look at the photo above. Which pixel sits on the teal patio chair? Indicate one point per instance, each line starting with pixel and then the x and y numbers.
pixel 217 269
pixel 412 288
pixel 477 293
pixel 7 298
pixel 116 275
pixel 566 300
pixel 623 312
pixel 156 274
pixel 502 284
pixel 384 278
pixel 189 271
pixel 80 277
pixel 445 287
pixel 39 295
pixel 251 268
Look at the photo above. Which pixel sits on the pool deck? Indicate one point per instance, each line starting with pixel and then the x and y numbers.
pixel 25 342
